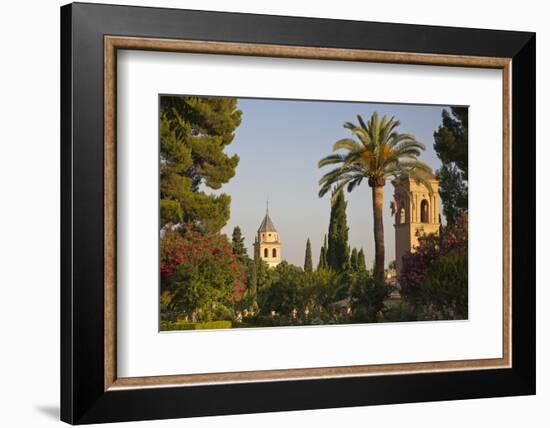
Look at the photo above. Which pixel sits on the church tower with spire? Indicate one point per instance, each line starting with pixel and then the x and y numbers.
pixel 267 245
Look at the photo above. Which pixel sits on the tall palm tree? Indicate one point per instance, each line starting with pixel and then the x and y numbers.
pixel 381 153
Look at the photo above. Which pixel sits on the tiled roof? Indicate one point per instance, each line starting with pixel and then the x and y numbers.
pixel 267 225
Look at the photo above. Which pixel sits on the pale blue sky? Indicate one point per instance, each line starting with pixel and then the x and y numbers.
pixel 280 142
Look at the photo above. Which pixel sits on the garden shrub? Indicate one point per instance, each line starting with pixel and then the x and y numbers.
pixel 201 278
pixel 368 298
pixel 444 294
pixel 401 312
pixel 431 249
pixel 186 325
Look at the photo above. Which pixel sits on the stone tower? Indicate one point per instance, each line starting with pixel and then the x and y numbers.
pixel 267 245
pixel 416 213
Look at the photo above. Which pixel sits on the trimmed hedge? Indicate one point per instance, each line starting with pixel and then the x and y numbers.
pixel 186 325
pixel 239 324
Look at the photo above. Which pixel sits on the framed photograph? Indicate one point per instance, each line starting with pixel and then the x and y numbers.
pixel 266 213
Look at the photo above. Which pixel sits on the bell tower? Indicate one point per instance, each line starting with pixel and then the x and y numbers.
pixel 267 245
pixel 416 213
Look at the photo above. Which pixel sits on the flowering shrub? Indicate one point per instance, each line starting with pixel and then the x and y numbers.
pixel 417 266
pixel 201 278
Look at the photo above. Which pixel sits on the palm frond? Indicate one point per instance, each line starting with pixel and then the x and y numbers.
pixel 376 151
pixel 334 175
pixel 373 128
pixel 353 183
pixel 409 143
pixel 363 136
pixel 346 143
pixel 394 123
pixel 330 160
pixel 416 165
pixel 361 122
pixel 350 126
pixel 396 138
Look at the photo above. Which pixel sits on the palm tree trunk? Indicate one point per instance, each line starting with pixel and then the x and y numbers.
pixel 377 203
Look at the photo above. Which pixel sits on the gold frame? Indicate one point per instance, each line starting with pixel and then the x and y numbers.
pixel 113 43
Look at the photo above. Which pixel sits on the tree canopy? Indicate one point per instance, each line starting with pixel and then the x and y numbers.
pixel 451 138
pixel 451 146
pixel 194 132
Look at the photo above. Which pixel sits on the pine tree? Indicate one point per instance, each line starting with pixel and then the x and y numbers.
pixel 361 263
pixel 308 262
pixel 338 249
pixel 194 132
pixel 237 244
pixel 451 146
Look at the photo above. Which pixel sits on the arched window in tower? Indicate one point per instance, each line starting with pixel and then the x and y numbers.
pixel 402 216
pixel 274 252
pixel 424 211
pixel 266 253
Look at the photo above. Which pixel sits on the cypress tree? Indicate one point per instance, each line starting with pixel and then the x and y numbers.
pixel 238 246
pixel 323 256
pixel 338 249
pixel 308 262
pixel 252 277
pixel 321 264
pixel 361 263
pixel 354 261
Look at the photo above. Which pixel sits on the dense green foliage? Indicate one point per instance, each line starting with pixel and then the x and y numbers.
pixel 354 260
pixel 295 297
pixel 380 153
pixel 308 261
pixel 361 263
pixel 451 138
pixel 237 243
pixel 357 261
pixel 444 294
pixel 252 277
pixel 194 132
pixel 186 325
pixel 399 312
pixel 201 278
pixel 338 249
pixel 367 298
pixel 170 212
pixel 323 262
pixel 202 274
pixel 451 146
pixel 434 279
